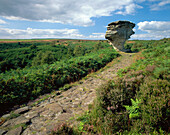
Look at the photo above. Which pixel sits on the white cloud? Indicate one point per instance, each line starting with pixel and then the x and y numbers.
pixel 97 36
pixel 148 36
pixel 6 33
pixel 29 33
pixel 2 21
pixel 153 29
pixel 158 6
pixel 129 9
pixel 162 3
pixel 76 12
pixel 154 26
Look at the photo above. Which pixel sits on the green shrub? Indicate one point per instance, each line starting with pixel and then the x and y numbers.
pixel 134 111
pixel 33 47
pixel 43 58
pixel 109 115
pixel 64 129
pixel 146 80
pixel 18 86
pixel 128 46
pixel 19 55
pixel 154 106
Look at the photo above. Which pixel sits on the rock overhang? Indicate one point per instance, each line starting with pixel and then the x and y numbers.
pixel 118 32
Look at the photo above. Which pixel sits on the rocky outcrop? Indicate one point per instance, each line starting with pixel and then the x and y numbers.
pixel 118 32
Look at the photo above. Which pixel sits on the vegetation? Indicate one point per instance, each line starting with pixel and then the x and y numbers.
pixel 20 44
pixel 64 129
pixel 49 68
pixel 137 101
pixel 19 55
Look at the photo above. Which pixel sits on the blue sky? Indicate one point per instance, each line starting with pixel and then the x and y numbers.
pixel 82 19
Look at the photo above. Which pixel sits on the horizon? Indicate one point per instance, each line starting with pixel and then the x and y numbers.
pixel 73 39
pixel 82 20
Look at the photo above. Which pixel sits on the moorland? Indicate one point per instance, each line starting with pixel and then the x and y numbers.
pixel 135 101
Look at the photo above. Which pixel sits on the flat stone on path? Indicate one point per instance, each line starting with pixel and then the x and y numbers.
pixel 16 131
pixel 31 114
pixel 22 110
pixel 54 107
pixel 16 121
pixel 6 116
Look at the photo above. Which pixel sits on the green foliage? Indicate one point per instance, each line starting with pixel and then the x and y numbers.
pixel 147 81
pixel 81 126
pixel 28 73
pixel 128 46
pixel 19 55
pixel 65 87
pixel 33 47
pixel 134 111
pixel 84 118
pixel 79 50
pixel 85 124
pixel 64 129
pixel 18 86
pixel 137 45
pixel 13 115
pixel 23 125
pixel 154 95
pixel 98 46
pixel 43 58
pixel 20 44
pixel 108 113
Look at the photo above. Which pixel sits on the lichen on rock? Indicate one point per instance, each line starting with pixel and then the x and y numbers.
pixel 118 32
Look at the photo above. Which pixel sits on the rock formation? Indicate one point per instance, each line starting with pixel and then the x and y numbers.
pixel 118 32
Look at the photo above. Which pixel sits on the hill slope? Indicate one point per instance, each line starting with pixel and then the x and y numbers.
pixel 60 107
pixel 128 96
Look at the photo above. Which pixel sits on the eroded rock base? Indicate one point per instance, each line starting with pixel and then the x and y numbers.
pixel 118 32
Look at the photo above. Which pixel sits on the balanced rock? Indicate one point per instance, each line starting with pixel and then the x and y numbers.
pixel 118 32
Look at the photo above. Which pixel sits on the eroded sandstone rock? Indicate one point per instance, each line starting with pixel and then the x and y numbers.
pixel 118 32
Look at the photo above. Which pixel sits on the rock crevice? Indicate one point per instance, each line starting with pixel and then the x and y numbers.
pixel 118 32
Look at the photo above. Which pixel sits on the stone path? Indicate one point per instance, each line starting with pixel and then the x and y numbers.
pixel 61 106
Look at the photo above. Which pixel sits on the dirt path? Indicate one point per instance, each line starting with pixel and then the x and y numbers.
pixel 56 109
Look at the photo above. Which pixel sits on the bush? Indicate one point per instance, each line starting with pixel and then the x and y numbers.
pixel 64 129
pixel 18 86
pixel 154 106
pixel 19 55
pixel 109 115
pixel 43 58
pixel 33 47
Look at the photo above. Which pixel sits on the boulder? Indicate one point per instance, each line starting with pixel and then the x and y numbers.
pixel 22 110
pixel 118 32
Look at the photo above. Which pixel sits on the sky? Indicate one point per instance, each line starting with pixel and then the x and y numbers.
pixel 82 19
